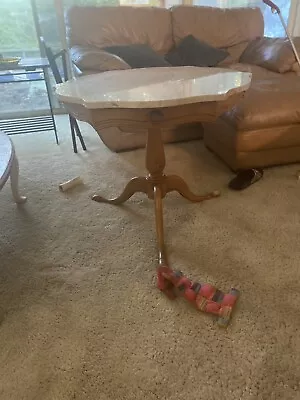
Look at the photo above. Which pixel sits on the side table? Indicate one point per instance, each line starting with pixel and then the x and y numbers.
pixel 26 71
pixel 9 167
pixel 154 98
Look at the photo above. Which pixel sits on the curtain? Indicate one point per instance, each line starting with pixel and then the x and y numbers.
pixel 229 3
pixel 273 26
pixel 294 18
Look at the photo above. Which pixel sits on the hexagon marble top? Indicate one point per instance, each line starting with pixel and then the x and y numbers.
pixel 153 87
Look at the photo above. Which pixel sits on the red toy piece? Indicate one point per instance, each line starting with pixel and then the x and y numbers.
pixel 205 297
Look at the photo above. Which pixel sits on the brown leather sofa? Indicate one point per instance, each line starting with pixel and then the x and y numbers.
pixel 263 129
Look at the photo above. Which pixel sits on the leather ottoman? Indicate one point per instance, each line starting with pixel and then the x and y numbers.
pixel 263 129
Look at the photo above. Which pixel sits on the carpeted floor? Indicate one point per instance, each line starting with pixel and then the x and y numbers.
pixel 80 316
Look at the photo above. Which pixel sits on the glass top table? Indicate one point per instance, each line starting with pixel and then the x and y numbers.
pixel 29 70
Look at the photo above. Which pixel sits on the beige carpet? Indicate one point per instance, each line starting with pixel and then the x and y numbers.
pixel 80 316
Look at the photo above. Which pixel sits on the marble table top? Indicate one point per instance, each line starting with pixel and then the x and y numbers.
pixel 153 87
pixel 6 158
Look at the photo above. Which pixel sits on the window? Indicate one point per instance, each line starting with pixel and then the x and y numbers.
pixel 18 38
pixel 154 3
pixel 273 26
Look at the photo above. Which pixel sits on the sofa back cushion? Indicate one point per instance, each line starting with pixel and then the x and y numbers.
pixel 275 54
pixel 194 52
pixel 219 27
pixel 138 56
pixel 122 25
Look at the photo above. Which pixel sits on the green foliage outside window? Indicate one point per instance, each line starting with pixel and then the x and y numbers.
pixel 17 30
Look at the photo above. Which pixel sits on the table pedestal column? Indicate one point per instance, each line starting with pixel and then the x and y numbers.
pixel 156 185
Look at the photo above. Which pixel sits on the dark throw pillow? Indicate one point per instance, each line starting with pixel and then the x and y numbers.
pixel 193 52
pixel 138 56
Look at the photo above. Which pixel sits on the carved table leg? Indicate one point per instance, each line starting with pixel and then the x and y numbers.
pixel 175 183
pixel 155 163
pixel 14 181
pixel 155 157
pixel 137 184
pixel 156 185
pixel 162 259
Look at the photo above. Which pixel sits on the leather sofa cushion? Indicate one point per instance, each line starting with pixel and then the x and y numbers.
pixel 296 67
pixel 93 59
pixel 256 71
pixel 138 56
pixel 252 149
pixel 275 54
pixel 219 27
pixel 108 26
pixel 234 54
pixel 274 101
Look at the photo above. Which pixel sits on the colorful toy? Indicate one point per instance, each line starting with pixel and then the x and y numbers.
pixel 204 297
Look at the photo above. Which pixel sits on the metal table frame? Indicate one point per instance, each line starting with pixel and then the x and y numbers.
pixel 30 66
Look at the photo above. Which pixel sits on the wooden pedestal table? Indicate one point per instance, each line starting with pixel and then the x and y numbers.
pixel 153 99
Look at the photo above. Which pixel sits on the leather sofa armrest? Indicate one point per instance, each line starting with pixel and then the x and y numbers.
pixel 76 70
pixel 94 59
pixel 274 54
pixel 296 68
